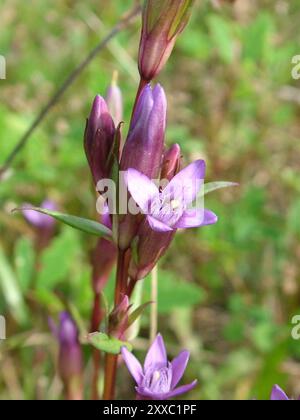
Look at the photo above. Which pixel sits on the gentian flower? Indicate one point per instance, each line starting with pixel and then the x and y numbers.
pixel 143 149
pixel 158 379
pixel 163 21
pixel 168 210
pixel 38 220
pixel 70 362
pixel 99 139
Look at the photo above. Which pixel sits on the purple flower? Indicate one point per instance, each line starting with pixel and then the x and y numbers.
pixel 168 210
pixel 148 249
pixel 99 139
pixel 40 221
pixel 159 378
pixel 143 149
pixel 279 395
pixel 70 362
pixel 163 21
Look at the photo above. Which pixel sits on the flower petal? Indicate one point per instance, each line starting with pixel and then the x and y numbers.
pixel 143 392
pixel 195 218
pixel 181 390
pixel 157 225
pixel 278 394
pixel 142 189
pixel 133 365
pixel 157 355
pixel 185 186
pixel 178 367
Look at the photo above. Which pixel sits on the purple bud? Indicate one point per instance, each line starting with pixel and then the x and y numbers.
pixel 70 362
pixel 171 163
pixel 143 149
pixel 163 21
pixel 158 378
pixel 99 139
pixel 149 248
pixel 40 221
pixel 114 101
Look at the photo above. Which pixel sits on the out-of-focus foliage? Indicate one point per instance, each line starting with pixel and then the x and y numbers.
pixel 227 292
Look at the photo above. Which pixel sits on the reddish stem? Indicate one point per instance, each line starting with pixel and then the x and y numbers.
pixel 96 321
pixel 111 360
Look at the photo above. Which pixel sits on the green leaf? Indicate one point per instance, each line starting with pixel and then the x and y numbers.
pixel 137 313
pixel 85 225
pixel 48 299
pixel 58 259
pixel 174 293
pixel 222 35
pixel 11 290
pixel 214 186
pixel 107 344
pixel 24 262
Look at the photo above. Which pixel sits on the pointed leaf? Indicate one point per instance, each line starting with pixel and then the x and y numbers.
pixel 137 313
pixel 85 225
pixel 214 186
pixel 107 344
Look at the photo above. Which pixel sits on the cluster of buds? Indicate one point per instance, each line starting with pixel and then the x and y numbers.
pixel 144 157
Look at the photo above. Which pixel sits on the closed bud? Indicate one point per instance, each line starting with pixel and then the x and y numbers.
pixel 150 246
pixel 163 21
pixel 143 149
pixel 70 362
pixel 99 139
pixel 171 163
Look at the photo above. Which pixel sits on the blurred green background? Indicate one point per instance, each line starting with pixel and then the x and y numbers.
pixel 227 292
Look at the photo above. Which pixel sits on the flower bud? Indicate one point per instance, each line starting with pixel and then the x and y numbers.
pixel 143 149
pixel 38 220
pixel 70 361
pixel 171 163
pixel 99 139
pixel 163 21
pixel 148 249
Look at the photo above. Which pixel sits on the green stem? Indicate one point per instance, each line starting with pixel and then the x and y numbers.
pixel 154 305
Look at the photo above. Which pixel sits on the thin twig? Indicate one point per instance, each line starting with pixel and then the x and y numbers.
pixel 122 24
pixel 154 305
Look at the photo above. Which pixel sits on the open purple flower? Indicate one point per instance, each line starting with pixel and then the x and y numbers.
pixel 159 378
pixel 169 209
